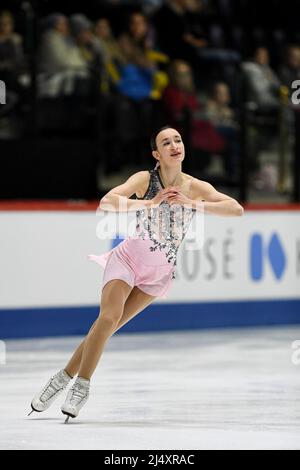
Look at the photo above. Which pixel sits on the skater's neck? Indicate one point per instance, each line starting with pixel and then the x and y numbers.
pixel 170 176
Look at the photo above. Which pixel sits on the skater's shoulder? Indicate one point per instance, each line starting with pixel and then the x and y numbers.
pixel 187 178
pixel 200 188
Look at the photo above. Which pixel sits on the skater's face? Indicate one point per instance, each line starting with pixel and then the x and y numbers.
pixel 170 148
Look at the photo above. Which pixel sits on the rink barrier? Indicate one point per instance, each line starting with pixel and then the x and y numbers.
pixel 76 320
pixel 69 321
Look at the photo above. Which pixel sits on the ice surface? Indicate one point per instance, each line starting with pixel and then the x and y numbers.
pixel 205 389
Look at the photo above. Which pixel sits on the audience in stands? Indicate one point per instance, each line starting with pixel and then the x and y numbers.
pixel 290 69
pixel 113 57
pixel 12 61
pixel 172 32
pixel 260 82
pixel 60 62
pixel 186 112
pixel 11 50
pixel 92 52
pixel 140 75
pixel 190 36
pixel 204 40
pixel 222 116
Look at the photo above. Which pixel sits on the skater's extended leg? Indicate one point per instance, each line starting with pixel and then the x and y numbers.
pixel 135 303
pixel 74 363
pixel 114 296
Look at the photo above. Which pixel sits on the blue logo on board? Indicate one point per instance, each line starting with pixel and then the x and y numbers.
pixel 272 251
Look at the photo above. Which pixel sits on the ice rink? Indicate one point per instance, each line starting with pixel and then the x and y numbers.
pixel 205 389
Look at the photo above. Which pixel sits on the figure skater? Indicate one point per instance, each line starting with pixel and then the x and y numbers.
pixel 142 267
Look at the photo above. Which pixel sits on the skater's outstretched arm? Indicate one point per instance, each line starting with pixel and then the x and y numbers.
pixel 205 198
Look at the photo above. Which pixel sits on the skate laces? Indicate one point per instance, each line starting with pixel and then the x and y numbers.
pixel 79 392
pixel 55 384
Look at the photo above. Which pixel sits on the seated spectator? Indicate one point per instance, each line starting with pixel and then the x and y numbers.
pixel 218 106
pixel 150 6
pixel 184 109
pixel 188 36
pixel 11 62
pixel 104 34
pixel 172 33
pixel 222 116
pixel 136 41
pixel 113 57
pixel 198 23
pixel 140 77
pixel 260 81
pixel 60 62
pixel 11 50
pixel 92 50
pixel 290 70
pixel 141 83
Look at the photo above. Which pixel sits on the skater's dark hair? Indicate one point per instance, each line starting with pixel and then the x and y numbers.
pixel 155 134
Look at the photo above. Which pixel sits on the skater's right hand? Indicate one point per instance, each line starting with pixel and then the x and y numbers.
pixel 163 194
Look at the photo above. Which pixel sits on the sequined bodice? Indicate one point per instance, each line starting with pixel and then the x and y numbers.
pixel 164 225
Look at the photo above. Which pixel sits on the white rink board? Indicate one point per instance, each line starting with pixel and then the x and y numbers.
pixel 44 259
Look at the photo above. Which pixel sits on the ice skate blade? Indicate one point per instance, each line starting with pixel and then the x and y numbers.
pixel 68 416
pixel 33 410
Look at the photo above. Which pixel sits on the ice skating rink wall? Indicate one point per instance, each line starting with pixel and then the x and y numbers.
pixel 247 272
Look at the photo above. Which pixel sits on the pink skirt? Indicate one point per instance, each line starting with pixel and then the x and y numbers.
pixel 134 262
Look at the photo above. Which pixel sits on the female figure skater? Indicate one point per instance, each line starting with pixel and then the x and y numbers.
pixel 140 268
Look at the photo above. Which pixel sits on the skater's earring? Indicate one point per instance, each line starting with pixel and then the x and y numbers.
pixel 154 153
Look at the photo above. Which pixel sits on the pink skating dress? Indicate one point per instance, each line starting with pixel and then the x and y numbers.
pixel 148 259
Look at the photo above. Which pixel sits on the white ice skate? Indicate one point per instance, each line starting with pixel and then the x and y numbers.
pixel 76 398
pixel 50 392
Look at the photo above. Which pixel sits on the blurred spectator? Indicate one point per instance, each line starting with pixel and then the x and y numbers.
pixel 184 32
pixel 113 57
pixel 57 51
pixel 198 23
pixel 60 63
pixel 140 75
pixel 11 61
pixel 211 43
pixel 92 52
pixel 150 6
pixel 260 81
pixel 173 34
pixel 183 109
pixel 290 70
pixel 218 106
pixel 11 51
pixel 109 43
pixel 136 41
pixel 222 116
pixel 90 47
pixel 140 85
